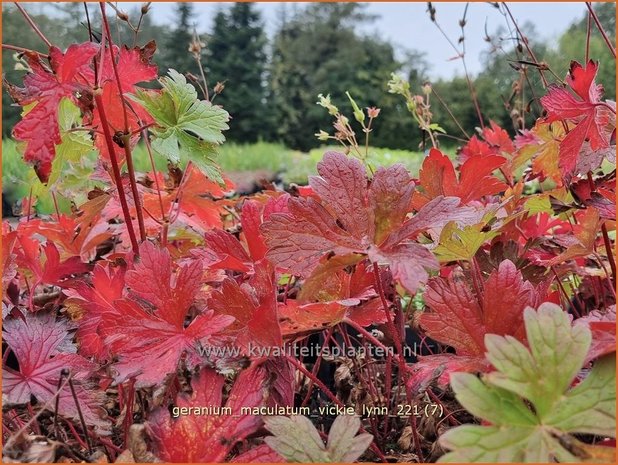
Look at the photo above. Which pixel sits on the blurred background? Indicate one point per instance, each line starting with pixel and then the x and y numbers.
pixel 273 59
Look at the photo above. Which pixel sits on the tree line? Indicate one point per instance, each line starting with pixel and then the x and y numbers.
pixel 270 87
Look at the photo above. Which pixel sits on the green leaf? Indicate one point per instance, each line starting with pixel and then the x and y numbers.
pixel 297 440
pixel 538 204
pixel 437 128
pixel 73 164
pixel 187 129
pixel 461 244
pixel 529 400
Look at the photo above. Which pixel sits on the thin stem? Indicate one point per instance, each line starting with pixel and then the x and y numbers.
pixel 331 396
pixel 116 171
pixel 53 194
pixel 134 191
pixel 90 36
pixel 126 139
pixel 610 253
pixel 468 80
pixel 366 334
pixel 29 206
pixel 389 318
pixel 146 140
pixel 525 41
pixel 63 373
pixel 453 117
pixel 316 367
pixel 33 25
pixel 606 240
pixel 203 76
pixel 607 40
pixel 80 414
pixel 44 407
pixel 588 30
pixel 16 48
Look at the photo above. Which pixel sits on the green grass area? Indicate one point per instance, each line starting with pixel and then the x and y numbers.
pixel 291 165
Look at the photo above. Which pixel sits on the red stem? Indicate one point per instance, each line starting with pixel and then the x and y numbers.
pixel 366 334
pixel 610 252
pixel 154 171
pixel 136 198
pixel 53 194
pixel 15 48
pixel 116 171
pixel 316 367
pixel 128 419
pixel 402 362
pixel 29 206
pixel 331 396
pixel 608 42
pixel 588 30
pixel 34 26
pixel 126 138
pixel 389 319
pixel 606 240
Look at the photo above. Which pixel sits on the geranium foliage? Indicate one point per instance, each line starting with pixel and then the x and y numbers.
pixel 159 294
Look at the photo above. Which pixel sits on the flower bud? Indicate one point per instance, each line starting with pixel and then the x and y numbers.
pixel 326 103
pixel 358 113
pixel 219 86
pixel 196 46
pixel 373 112
pixel 397 85
pixel 322 135
pixel 122 16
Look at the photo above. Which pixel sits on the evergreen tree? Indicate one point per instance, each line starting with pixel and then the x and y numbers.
pixel 175 48
pixel 237 58
pixel 318 51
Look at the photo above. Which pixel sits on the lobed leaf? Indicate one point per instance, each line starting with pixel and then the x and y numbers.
pixel 528 400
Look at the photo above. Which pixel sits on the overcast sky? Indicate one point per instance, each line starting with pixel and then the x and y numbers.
pixel 407 25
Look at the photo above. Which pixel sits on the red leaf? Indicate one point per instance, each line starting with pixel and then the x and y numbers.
pixel 603 328
pixel 475 148
pixel 298 319
pixel 253 306
pixel 43 348
pixel 251 220
pixel 51 270
pixel 581 108
pixel 209 438
pixel 149 346
pixel 351 218
pixel 75 236
pixel 133 67
pixel 342 186
pixel 198 202
pixel 94 300
pixel 389 195
pixel 282 379
pixel 408 262
pixel 260 454
pixel 438 178
pixel 439 367
pixel 154 281
pixel 333 282
pixel 225 251
pixel 70 72
pixel 498 138
pixel 461 319
pixel 9 263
